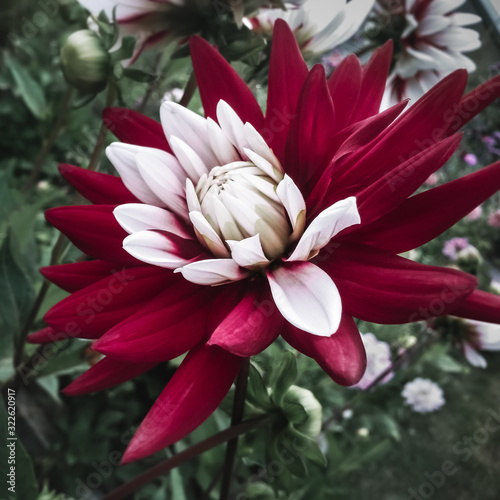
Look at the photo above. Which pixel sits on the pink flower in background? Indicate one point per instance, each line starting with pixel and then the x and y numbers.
pixel 475 214
pixel 494 219
pixel 432 180
pixel 454 246
pixel 378 359
pixel 470 159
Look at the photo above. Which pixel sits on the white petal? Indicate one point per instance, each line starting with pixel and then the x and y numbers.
pixel 473 357
pixel 153 248
pixel 212 272
pixel 263 164
pixel 224 150
pixel 488 334
pixel 433 24
pixel 464 18
pixel 189 159
pixel 122 156
pixel 207 233
pixel 180 122
pixel 161 174
pixel 306 297
pixel 135 217
pixel 259 145
pixel 248 252
pixel 324 227
pixel 440 7
pixel 192 200
pixel 294 204
pixel 232 126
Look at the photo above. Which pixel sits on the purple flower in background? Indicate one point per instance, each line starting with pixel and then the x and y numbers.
pixel 453 246
pixel 470 159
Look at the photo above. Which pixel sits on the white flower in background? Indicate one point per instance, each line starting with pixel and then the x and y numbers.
pixel 423 395
pixel 434 42
pixel 481 337
pixel 318 25
pixel 378 359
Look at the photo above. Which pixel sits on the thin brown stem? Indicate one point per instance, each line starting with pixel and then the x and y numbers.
pixel 50 141
pixel 189 91
pixel 184 456
pixel 232 445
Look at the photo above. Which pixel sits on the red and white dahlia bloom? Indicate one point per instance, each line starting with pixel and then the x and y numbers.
pixel 224 232
pixel 318 26
pixel 434 41
pixel 481 337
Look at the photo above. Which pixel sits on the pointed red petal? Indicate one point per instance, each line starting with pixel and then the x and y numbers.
pixel 311 133
pixel 373 82
pixel 94 230
pixel 342 355
pixel 423 217
pixel 218 80
pixel 46 335
pixel 287 73
pixel 97 187
pixel 166 327
pixel 344 85
pixel 74 277
pixel 474 102
pixel 105 374
pixel 383 288
pixel 252 325
pixel 481 306
pixel 133 128
pixel 192 395
pixel 95 309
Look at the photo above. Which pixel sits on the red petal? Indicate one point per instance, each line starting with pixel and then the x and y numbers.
pixel 373 82
pixel 97 308
pixel 287 73
pixel 424 124
pixel 133 128
pixel 166 327
pixel 341 355
pixel 423 217
pixel 311 133
pixel 74 277
pixel 46 336
pixel 480 306
pixel 105 374
pixel 252 325
pixel 383 288
pixel 97 187
pixel 192 395
pixel 344 85
pixel 94 230
pixel 474 102
pixel 218 80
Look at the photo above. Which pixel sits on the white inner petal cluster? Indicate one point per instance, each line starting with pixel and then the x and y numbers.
pixel 221 207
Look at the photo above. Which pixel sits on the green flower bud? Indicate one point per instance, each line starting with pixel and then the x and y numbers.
pixel 303 410
pixel 86 63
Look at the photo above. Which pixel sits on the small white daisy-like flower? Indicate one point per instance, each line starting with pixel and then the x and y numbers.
pixel 423 395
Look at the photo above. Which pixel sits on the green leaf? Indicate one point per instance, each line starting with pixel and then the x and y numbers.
pixel 256 390
pixel 283 377
pixel 387 425
pixel 68 358
pixel 177 485
pixel 448 364
pixel 31 92
pixel 138 75
pixel 126 49
pixel 306 446
pixel 25 481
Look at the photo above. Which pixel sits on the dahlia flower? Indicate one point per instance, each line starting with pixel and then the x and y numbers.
pixel 423 395
pixel 434 40
pixel 223 232
pixel 378 359
pixel 481 337
pixel 318 26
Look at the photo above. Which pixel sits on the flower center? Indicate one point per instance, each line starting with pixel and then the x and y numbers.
pixel 239 201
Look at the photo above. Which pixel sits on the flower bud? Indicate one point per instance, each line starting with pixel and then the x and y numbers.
pixel 303 410
pixel 85 62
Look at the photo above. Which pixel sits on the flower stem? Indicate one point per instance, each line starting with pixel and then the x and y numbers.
pixel 209 443
pixel 50 141
pixel 232 445
pixel 189 91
